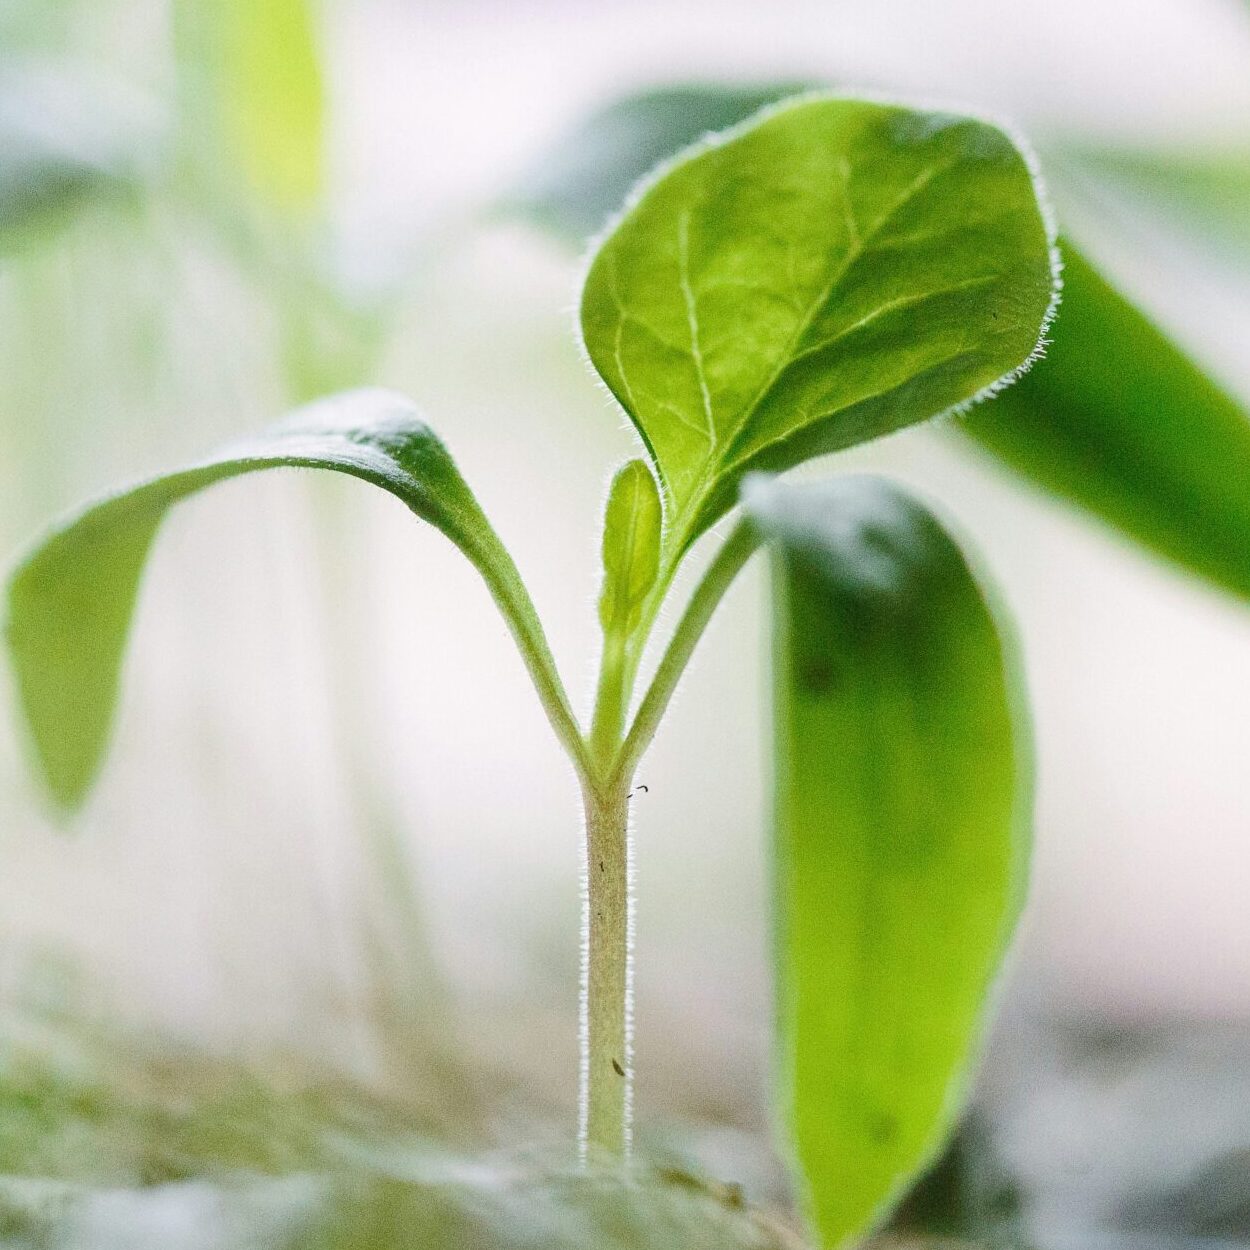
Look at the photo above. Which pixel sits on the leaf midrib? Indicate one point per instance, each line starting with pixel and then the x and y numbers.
pixel 715 467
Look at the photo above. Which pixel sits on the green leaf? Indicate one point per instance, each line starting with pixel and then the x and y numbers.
pixel 71 600
pixel 831 271
pixel 1117 419
pixel 255 87
pixel 900 850
pixel 586 174
pixel 1120 421
pixel 631 547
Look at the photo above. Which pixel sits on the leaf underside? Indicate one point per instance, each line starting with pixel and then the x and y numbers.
pixel 900 846
pixel 71 601
pixel 825 274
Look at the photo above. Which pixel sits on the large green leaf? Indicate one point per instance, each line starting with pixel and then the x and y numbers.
pixel 1117 419
pixel 71 600
pixel 831 271
pixel 1120 421
pixel 902 797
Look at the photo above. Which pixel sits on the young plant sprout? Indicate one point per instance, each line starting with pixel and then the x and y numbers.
pixel 832 270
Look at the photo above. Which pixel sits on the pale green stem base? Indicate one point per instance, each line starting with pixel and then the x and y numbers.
pixel 608 923
pixel 607 978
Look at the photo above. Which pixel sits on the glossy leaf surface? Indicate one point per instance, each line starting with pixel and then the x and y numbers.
pixel 1120 421
pixel 71 601
pixel 829 272
pixel 902 794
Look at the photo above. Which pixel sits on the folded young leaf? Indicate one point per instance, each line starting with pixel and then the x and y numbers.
pixel 631 546
pixel 902 794
pixel 830 271
pixel 1120 421
pixel 71 600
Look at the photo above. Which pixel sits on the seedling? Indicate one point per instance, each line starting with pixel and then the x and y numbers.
pixel 828 272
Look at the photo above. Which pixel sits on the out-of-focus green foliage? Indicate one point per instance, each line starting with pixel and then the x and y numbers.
pixel 71 601
pixel 63 144
pixel 1206 195
pixel 1089 1136
pixel 1117 419
pixel 101 1146
pixel 833 271
pixel 253 81
pixel 901 847
pixel 465 1205
pixel 1120 421
pixel 586 174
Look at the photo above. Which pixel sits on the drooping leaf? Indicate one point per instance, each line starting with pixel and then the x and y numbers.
pixel 1120 421
pixel 631 546
pixel 70 602
pixel 902 791
pixel 255 91
pixel 586 173
pixel 829 272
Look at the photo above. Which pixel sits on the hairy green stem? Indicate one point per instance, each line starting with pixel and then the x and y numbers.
pixel 607 954
pixel 607 978
pixel 726 565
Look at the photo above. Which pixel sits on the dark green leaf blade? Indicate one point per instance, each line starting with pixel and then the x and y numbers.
pixel 1118 420
pixel 828 272
pixel 902 792
pixel 70 602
